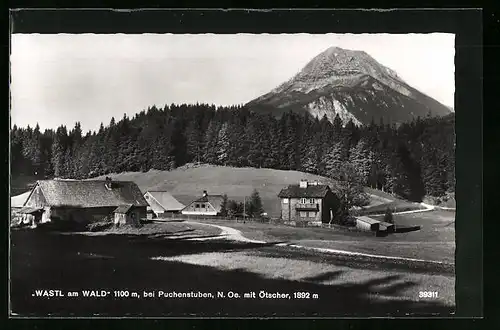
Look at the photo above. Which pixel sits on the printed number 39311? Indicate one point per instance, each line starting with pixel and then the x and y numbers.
pixel 427 294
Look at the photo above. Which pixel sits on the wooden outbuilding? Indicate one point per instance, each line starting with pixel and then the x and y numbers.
pixel 127 214
pixel 367 224
pixel 162 203
pixel 387 227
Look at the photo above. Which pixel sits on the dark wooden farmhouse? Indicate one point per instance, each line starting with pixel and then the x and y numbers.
pixel 86 201
pixel 308 203
pixel 205 205
pixel 162 203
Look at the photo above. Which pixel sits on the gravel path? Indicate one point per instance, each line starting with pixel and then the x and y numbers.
pixel 227 233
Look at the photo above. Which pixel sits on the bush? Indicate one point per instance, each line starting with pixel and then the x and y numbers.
pixel 99 226
pixel 362 199
pixel 388 217
pixel 350 221
pixel 448 200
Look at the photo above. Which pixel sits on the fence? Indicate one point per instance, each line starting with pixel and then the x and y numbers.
pixel 190 217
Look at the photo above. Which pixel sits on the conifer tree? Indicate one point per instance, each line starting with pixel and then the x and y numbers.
pixel 222 151
pixel 272 159
pixel 362 158
pixel 58 151
pixel 254 205
pixel 224 210
pixel 211 137
pixel 337 126
pixel 334 160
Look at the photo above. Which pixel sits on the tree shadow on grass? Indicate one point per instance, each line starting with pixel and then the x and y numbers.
pixel 327 276
pixel 400 229
pixel 57 262
pixel 360 261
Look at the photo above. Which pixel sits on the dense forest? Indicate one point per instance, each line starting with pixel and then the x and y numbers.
pixel 412 160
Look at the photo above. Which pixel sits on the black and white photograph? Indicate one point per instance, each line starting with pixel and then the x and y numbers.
pixel 245 174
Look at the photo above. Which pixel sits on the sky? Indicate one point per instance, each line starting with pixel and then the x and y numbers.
pixel 63 78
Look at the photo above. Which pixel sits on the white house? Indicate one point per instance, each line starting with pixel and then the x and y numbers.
pixel 205 205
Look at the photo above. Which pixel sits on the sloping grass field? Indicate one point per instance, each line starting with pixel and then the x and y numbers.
pixel 394 206
pixel 188 182
pixel 435 241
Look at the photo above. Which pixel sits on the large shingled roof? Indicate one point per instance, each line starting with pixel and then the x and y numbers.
pixel 123 208
pixel 19 200
pixel 91 193
pixel 311 191
pixel 166 200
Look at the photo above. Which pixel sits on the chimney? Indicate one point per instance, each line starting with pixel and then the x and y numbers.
pixel 303 183
pixel 204 193
pixel 108 183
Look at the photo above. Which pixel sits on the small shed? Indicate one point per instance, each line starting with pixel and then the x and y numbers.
pixel 387 227
pixel 368 224
pixel 126 214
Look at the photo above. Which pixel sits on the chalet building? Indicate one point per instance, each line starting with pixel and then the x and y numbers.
pixel 162 203
pixel 308 203
pixel 205 205
pixel 85 201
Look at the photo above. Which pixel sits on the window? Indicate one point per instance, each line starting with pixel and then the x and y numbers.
pixel 303 200
pixel 311 200
pixel 197 206
pixel 202 206
pixel 312 214
pixel 285 200
pixel 303 214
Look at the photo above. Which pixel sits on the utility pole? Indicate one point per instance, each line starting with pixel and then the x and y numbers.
pixel 244 210
pixel 198 154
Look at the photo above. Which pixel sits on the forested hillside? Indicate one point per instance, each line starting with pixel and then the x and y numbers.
pixel 412 160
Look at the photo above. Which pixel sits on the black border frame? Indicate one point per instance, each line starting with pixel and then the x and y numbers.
pixel 466 24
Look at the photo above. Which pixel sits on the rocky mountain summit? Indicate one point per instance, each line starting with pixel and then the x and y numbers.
pixel 353 85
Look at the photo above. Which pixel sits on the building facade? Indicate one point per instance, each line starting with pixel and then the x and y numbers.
pixel 308 203
pixel 128 214
pixel 210 205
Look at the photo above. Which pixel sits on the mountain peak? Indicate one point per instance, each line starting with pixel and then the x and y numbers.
pixel 339 62
pixel 353 84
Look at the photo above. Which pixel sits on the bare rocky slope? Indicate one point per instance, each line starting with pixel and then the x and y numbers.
pixel 352 84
